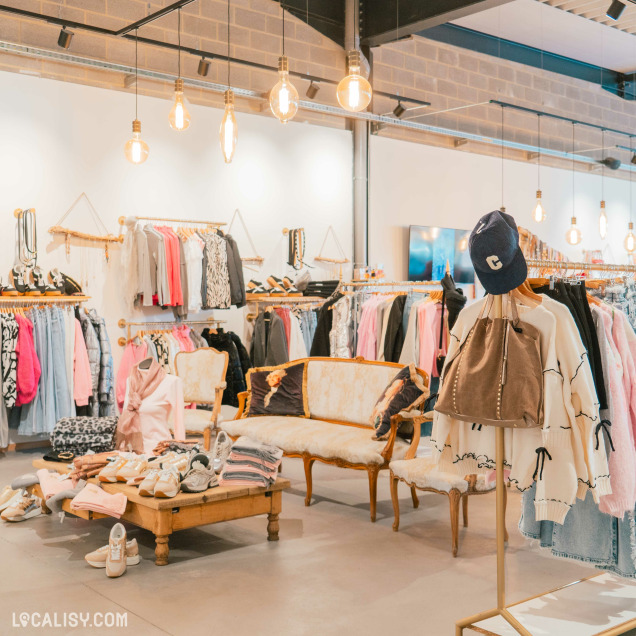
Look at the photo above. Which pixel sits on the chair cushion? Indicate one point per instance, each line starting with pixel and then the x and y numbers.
pixel 227 413
pixel 323 439
pixel 422 472
pixel 197 419
pixel 280 390
pixel 344 390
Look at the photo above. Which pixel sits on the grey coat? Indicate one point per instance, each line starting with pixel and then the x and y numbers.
pixel 106 388
pixel 269 343
pixel 235 271
pixel 93 349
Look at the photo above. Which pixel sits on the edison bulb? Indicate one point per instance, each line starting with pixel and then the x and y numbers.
pixel 354 91
pixel 538 213
pixel 283 98
pixel 179 116
pixel 136 149
pixel 602 221
pixel 630 239
pixel 228 135
pixel 573 235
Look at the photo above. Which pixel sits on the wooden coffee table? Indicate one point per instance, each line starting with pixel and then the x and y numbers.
pixel 165 516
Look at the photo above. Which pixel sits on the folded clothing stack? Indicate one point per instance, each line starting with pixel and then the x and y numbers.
pixel 52 483
pixel 92 497
pixel 90 465
pixel 251 464
pixel 321 288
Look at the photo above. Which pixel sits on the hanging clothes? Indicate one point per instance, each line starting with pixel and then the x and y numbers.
pixel 28 369
pixel 269 342
pixel 340 338
pixel 134 353
pixel 235 377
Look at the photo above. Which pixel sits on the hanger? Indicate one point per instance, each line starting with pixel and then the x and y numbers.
pixel 526 291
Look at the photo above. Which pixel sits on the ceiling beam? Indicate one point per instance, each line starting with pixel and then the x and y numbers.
pixel 385 21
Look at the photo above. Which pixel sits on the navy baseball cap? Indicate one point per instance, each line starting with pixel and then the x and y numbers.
pixel 494 250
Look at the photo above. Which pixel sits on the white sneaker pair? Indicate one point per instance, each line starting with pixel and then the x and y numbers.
pixel 161 482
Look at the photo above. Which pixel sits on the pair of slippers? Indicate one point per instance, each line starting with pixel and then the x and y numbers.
pixel 275 287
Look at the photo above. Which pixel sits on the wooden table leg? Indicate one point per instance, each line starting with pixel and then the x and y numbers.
pixel 272 526
pixel 162 550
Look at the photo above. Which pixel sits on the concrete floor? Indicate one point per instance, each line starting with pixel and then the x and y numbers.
pixel 332 572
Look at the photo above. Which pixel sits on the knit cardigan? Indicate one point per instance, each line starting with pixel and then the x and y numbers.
pixel 568 432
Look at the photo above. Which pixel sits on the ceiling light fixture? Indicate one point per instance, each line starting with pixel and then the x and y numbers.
pixel 228 135
pixel 313 88
pixel 354 91
pixel 65 38
pixel 136 149
pixel 283 98
pixel 204 67
pixel 611 162
pixel 573 235
pixel 538 213
pixel 399 110
pixel 615 10
pixel 633 158
pixel 179 116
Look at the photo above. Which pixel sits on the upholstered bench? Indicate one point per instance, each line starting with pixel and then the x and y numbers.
pixel 421 473
pixel 341 396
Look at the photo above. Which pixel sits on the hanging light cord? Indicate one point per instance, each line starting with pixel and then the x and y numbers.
pixel 282 5
pixel 179 37
pixel 573 169
pixel 228 44
pixel 136 73
pixel 539 155
pixel 502 157
pixel 603 166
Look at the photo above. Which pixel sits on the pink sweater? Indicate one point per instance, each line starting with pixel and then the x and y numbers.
pixel 28 366
pixel 133 354
pixel 622 461
pixel 82 382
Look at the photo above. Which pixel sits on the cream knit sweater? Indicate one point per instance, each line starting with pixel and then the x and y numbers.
pixel 570 419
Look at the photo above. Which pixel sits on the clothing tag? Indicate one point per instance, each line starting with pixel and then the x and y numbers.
pixel 61 476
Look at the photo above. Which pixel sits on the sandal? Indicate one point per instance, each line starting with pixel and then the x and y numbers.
pixel 57 279
pixel 41 284
pixel 8 290
pixel 19 275
pixel 276 283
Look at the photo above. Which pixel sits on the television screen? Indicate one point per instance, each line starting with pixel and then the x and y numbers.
pixel 431 247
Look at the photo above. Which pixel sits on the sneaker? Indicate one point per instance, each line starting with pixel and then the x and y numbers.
pixel 108 474
pixel 116 552
pixel 201 475
pixel 168 483
pixel 98 557
pixel 221 451
pixel 28 506
pixel 180 463
pixel 8 497
pixel 147 486
pixel 132 468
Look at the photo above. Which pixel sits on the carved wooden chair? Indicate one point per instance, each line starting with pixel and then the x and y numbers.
pixel 420 473
pixel 203 374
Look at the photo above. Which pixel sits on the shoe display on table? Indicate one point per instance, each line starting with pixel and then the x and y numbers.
pixel 201 475
pixel 132 468
pixel 108 474
pixel 9 496
pixel 147 486
pixel 221 450
pixel 98 557
pixel 26 507
pixel 116 553
pixel 168 484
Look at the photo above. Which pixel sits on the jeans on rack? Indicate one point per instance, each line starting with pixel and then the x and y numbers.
pixel 39 415
pixel 62 397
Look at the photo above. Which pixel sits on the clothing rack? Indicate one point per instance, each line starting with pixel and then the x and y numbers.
pixel 562 266
pixel 282 302
pixel 502 610
pixel 122 220
pixel 34 301
pixel 408 283
pixel 122 323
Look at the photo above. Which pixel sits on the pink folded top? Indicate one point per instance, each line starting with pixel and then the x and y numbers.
pixel 92 497
pixel 51 483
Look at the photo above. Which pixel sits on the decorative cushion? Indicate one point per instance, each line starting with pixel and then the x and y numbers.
pixel 196 419
pixel 405 391
pixel 323 439
pixel 227 413
pixel 280 390
pixel 345 390
pixel 422 472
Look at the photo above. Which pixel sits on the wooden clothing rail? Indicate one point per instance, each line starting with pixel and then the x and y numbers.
pixel 154 326
pixel 122 220
pixel 407 283
pixel 34 301
pixel 562 266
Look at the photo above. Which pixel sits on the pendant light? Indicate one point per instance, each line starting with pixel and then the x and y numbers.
pixel 602 217
pixel 538 213
pixel 283 98
pixel 179 116
pixel 228 135
pixel 136 149
pixel 630 239
pixel 573 235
